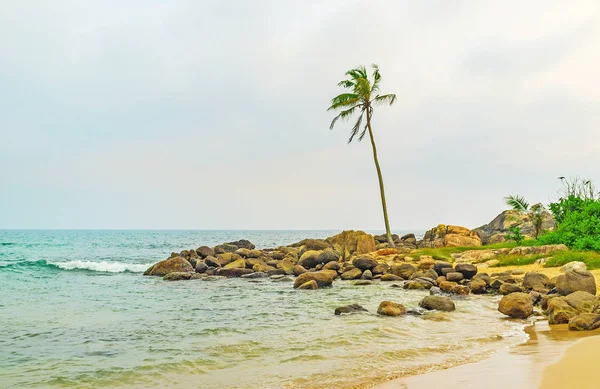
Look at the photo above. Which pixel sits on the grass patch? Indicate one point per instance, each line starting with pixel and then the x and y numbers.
pixel 517 260
pixel 445 253
pixel 560 258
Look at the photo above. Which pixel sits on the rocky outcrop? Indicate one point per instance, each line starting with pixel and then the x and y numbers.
pixel 496 230
pixel 561 310
pixel 585 322
pixel 447 235
pixel 349 243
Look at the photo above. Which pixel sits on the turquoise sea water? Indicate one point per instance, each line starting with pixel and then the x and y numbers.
pixel 75 311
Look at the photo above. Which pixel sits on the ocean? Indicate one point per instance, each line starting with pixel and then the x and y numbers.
pixel 76 312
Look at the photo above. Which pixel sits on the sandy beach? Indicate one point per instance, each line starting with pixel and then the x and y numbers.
pixel 552 358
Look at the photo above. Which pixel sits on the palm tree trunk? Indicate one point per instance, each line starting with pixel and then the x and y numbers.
pixel 383 204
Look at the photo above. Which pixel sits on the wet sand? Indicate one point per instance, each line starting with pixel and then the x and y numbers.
pixel 552 358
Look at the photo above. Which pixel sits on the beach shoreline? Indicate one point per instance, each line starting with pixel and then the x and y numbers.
pixel 544 361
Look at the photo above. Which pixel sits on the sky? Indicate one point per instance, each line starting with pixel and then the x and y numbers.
pixel 212 115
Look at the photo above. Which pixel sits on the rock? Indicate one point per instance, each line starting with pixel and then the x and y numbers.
pixel 535 281
pixel 467 270
pixel 496 230
pixel 237 264
pixel 516 305
pixel 225 248
pixel 537 250
pixel 461 290
pixel 453 236
pixel 380 269
pixel 573 266
pixel 205 251
pixel 276 272
pixel 351 274
pixel 309 259
pixel 583 302
pixel 438 303
pixel 322 279
pixel 415 285
pixel 390 308
pixel 346 243
pixel 387 251
pixel 201 267
pixel 405 270
pixel 297 270
pixel 560 312
pixel 332 266
pixel 584 322
pixel 573 281
pixel 247 253
pixel 347 309
pixel 264 268
pixel 227 258
pixel 439 265
pixel 391 277
pixel 312 244
pixel 287 266
pixel 177 276
pixel 332 273
pixel 364 263
pixel 242 244
pixel 212 261
pixel 478 286
pixel 454 277
pixel 483 276
pixel 232 272
pixel 174 264
pixel 362 283
pixel 312 284
pixel 328 255
pixel 425 263
pixel 277 255
pixel 367 275
pixel 510 288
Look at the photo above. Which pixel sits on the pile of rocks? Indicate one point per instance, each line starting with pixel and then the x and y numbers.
pixel 391 308
pixel 569 298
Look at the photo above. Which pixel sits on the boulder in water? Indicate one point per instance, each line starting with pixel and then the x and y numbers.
pixel 347 309
pixel 174 264
pixel 585 322
pixel 438 303
pixel 516 305
pixel 322 279
pixel 390 308
pixel 178 276
pixel 312 284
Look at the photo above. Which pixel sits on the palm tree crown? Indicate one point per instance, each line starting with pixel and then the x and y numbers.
pixel 360 99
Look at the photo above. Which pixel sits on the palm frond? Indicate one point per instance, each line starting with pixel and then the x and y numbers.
pixel 348 84
pixel 376 79
pixel 384 99
pixel 356 127
pixel 517 203
pixel 343 100
pixel 344 115
pixel 363 87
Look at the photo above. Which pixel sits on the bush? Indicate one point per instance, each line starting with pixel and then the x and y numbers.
pixel 578 224
pixel 514 233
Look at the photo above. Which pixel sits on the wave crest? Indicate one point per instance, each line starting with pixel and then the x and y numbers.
pixel 97 266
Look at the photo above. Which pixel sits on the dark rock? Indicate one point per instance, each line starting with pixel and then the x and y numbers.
pixel 201 267
pixel 364 263
pixel 467 270
pixel 242 244
pixel 535 281
pixel 225 248
pixel 584 322
pixel 212 261
pixel 439 265
pixel 233 272
pixel 327 256
pixel 177 276
pixel 510 288
pixel 309 285
pixel 367 275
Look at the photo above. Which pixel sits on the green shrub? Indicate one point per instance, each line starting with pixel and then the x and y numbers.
pixel 579 226
pixel 514 233
pixel 560 258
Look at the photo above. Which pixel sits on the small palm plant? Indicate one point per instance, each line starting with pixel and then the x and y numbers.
pixel 535 212
pixel 363 95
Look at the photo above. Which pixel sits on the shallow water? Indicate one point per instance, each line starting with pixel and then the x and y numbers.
pixel 67 324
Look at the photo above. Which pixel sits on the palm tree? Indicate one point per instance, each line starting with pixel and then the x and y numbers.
pixel 535 212
pixel 362 97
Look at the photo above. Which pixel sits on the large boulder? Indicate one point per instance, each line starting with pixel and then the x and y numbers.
pixel 346 243
pixel 242 244
pixel 404 270
pixel 452 236
pixel 574 281
pixel 584 322
pixel 322 278
pixel 205 251
pixel 535 281
pixel 516 305
pixel 171 265
pixel 439 265
pixel 467 270
pixel 438 303
pixel 225 248
pixel 310 259
pixel 328 255
pixel 237 264
pixel 364 263
pixel 390 308
pixel 560 312
pixel 496 230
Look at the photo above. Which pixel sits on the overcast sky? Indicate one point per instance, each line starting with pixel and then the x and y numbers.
pixel 212 114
